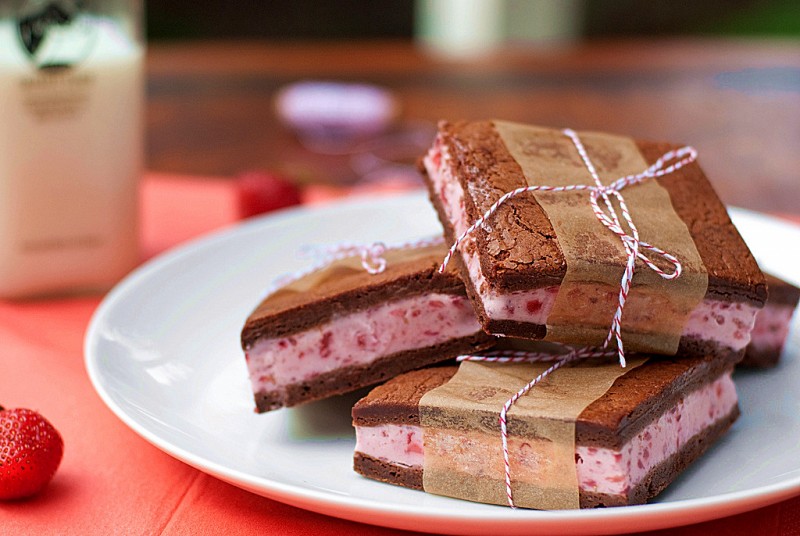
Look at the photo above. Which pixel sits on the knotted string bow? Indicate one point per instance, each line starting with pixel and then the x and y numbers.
pixel 372 258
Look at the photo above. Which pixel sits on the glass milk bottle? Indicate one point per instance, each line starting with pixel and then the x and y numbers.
pixel 71 143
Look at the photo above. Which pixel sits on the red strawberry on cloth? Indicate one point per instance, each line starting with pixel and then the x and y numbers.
pixel 30 452
pixel 260 192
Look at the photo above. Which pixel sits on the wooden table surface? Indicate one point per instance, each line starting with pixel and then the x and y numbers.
pixel 211 104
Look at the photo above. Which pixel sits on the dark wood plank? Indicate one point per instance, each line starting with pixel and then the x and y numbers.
pixel 210 104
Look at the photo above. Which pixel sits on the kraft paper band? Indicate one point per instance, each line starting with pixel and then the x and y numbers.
pixel 463 457
pixel 352 266
pixel 657 309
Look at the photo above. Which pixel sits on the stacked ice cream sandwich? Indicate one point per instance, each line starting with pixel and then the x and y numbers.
pixel 341 328
pixel 667 275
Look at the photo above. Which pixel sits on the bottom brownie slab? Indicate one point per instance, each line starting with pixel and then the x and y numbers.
pixel 690 407
pixel 656 480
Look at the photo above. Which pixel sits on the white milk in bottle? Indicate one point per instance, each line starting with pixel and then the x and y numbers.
pixel 71 144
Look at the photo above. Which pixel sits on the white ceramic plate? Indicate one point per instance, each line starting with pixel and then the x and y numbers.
pixel 163 353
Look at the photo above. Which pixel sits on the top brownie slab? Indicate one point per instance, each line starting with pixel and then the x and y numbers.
pixel 345 287
pixel 522 250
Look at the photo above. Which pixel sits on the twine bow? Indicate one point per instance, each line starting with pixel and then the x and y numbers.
pixel 372 258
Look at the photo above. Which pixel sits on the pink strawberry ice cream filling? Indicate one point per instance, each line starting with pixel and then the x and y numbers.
pixel 599 469
pixel 726 323
pixel 771 327
pixel 360 338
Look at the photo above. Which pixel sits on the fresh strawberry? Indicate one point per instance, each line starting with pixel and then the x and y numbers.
pixel 261 192
pixel 30 452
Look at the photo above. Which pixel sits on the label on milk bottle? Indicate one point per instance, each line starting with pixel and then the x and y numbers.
pixel 56 37
pixel 53 33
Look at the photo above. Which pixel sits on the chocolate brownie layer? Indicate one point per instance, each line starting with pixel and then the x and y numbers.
pixel 781 292
pixel 391 473
pixel 397 401
pixel 522 250
pixel 761 358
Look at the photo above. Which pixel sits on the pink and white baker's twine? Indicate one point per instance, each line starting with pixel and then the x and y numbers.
pixel 559 360
pixel 631 242
pixel 372 259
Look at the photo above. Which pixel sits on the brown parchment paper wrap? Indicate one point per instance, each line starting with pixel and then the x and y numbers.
pixel 656 309
pixel 352 265
pixel 463 455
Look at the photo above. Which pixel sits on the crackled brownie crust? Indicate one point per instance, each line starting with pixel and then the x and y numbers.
pixel 523 247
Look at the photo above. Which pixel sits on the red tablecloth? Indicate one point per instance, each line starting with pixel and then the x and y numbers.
pixel 113 482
